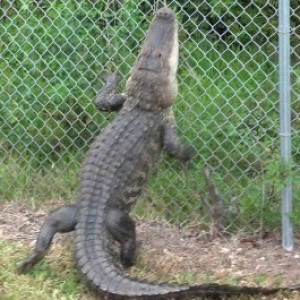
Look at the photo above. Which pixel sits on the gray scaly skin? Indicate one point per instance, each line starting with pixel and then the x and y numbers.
pixel 115 171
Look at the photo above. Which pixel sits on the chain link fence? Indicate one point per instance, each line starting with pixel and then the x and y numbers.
pixel 55 56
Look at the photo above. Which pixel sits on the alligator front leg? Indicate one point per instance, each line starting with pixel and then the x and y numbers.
pixel 105 99
pixel 62 219
pixel 171 142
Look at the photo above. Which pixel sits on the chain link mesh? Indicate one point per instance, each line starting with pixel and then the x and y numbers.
pixel 54 58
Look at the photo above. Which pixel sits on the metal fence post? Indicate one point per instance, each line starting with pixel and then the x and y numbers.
pixel 285 117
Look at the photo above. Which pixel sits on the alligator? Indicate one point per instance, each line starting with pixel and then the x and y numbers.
pixel 115 171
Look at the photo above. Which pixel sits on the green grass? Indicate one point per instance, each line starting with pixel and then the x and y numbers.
pixel 27 184
pixel 55 278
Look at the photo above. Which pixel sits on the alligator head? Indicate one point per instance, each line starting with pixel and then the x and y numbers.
pixel 153 79
pixel 159 51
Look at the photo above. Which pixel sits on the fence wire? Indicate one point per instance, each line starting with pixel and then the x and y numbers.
pixel 55 56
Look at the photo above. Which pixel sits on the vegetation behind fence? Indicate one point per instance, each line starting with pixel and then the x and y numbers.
pixel 55 56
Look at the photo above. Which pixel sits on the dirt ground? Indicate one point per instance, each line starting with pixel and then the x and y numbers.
pixel 184 250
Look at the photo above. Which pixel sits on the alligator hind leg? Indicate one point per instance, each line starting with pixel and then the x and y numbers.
pixel 122 228
pixel 62 219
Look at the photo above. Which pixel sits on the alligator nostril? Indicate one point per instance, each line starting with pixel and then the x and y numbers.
pixel 164 12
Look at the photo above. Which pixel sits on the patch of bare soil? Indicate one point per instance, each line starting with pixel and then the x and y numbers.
pixel 184 250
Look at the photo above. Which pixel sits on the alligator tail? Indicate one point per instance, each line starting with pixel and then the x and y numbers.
pixel 168 292
pixel 107 279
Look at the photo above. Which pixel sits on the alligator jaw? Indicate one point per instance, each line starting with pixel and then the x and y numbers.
pixel 159 52
pixel 152 85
